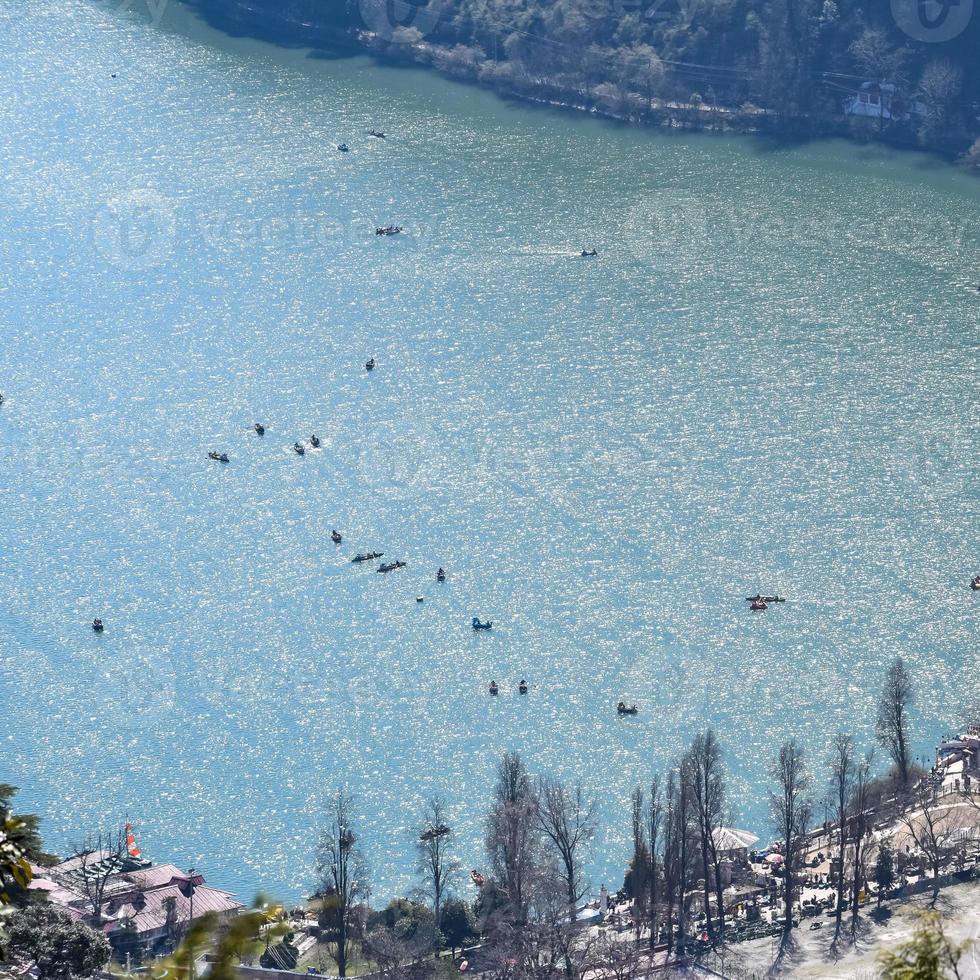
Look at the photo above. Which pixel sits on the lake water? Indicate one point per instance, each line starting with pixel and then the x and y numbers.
pixel 766 380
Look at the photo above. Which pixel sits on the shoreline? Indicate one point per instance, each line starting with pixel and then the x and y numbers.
pixel 392 80
pixel 659 116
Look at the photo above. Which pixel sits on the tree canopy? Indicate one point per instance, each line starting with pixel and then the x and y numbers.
pixel 59 947
pixel 797 58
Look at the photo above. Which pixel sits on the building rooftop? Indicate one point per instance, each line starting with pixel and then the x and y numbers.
pixel 137 891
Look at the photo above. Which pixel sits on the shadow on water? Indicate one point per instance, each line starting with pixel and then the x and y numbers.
pixel 872 150
pixel 324 32
pixel 326 38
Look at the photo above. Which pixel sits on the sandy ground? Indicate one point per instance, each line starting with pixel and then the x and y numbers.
pixel 812 956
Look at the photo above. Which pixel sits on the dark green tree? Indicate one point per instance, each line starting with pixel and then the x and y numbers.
pixel 408 919
pixel 796 58
pixel 15 872
pixel 280 956
pixel 929 955
pixel 884 870
pixel 458 926
pixel 28 835
pixel 126 945
pixel 59 947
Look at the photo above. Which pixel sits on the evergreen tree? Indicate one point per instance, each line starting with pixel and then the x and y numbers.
pixel 59 947
pixel 884 870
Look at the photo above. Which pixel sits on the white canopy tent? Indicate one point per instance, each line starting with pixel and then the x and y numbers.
pixel 734 843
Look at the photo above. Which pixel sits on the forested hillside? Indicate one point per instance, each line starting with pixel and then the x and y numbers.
pixel 686 62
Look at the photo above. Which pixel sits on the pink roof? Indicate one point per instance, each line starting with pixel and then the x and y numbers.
pixel 153 913
pixel 55 892
pixel 138 895
pixel 42 885
pixel 154 876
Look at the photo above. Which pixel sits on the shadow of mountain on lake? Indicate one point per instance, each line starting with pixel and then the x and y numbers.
pixel 326 35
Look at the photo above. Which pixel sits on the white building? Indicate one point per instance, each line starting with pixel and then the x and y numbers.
pixel 958 762
pixel 873 99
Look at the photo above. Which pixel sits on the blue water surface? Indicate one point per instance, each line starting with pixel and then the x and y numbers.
pixel 766 380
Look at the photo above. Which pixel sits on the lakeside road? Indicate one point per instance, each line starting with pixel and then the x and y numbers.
pixel 811 955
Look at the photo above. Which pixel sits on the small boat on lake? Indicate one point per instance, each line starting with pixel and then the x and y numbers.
pixel 336 537
pixel 758 605
pixel 367 556
pixel 97 625
pixel 259 428
pixel 369 366
pixel 763 598
pixel 975 584
pixel 389 230
pixel 377 134
pixel 218 457
pixel 344 148
pixel 315 441
pixel 299 449
pixel 477 625
pixel 588 253
pixel 494 690
pixel 391 566
pixel 440 576
pixel 623 710
pixel 522 687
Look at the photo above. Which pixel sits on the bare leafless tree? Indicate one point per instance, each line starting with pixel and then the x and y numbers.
pixel 677 852
pixel 655 820
pixel 707 790
pixel 930 824
pixel 616 960
pixel 439 870
pixel 684 825
pixel 568 818
pixel 841 787
pixel 859 829
pixel 397 958
pixel 639 869
pixel 671 859
pixel 791 806
pixel 511 834
pixel 896 698
pixel 96 861
pixel 344 880
pixel 638 823
pixel 877 56
pixel 938 87
pixel 546 945
pixel 388 952
pixel 560 948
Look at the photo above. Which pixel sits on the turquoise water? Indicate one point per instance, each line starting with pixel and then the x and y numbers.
pixel 767 380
